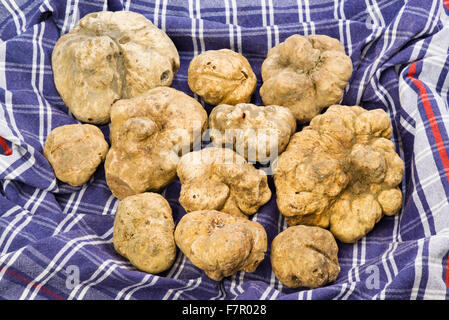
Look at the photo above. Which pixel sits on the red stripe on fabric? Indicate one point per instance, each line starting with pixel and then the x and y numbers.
pixel 446 3
pixel 27 281
pixel 447 271
pixel 431 117
pixel 5 147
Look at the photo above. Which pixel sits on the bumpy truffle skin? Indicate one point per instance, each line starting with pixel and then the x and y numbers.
pixel 341 172
pixel 75 151
pixel 305 74
pixel 109 56
pixel 303 256
pixel 144 232
pixel 257 133
pixel 220 179
pixel 222 77
pixel 221 244
pixel 148 135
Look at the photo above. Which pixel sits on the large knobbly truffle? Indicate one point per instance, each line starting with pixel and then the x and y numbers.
pixel 303 256
pixel 305 74
pixel 222 76
pixel 341 172
pixel 148 135
pixel 221 244
pixel 144 232
pixel 109 56
pixel 220 179
pixel 256 132
pixel 75 151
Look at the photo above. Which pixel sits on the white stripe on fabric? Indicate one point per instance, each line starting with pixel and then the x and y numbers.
pixel 69 203
pixel 9 228
pixel 75 15
pixel 387 44
pixel 65 253
pixel 271 12
pixel 307 10
pixel 34 65
pixel 418 270
pixel 61 224
pixel 60 266
pixel 238 28
pixel 342 291
pixel 300 12
pixel 232 288
pixel 220 295
pixel 275 294
pixel 86 284
pixel 179 291
pixel 66 17
pixel 190 287
pixel 230 26
pixel 10 212
pixel 193 28
pixel 42 65
pixel 77 218
pixel 79 198
pixel 264 13
pixel 26 221
pixel 349 291
pixel 200 25
pixel 53 265
pixel 134 285
pixel 14 256
pixel 108 204
pixel 164 15
pixel 436 5
pixel 390 275
pixel 140 287
pixel 14 16
pixel 156 13
pixel 265 293
pixel 127 4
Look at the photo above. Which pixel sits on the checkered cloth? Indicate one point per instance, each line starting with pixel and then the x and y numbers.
pixel 56 240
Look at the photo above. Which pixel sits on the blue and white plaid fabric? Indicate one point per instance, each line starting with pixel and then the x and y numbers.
pixel 56 240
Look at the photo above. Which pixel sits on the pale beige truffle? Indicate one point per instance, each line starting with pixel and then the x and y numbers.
pixel 341 172
pixel 221 244
pixel 75 151
pixel 109 56
pixel 303 256
pixel 144 232
pixel 305 74
pixel 258 133
pixel 148 135
pixel 220 179
pixel 222 77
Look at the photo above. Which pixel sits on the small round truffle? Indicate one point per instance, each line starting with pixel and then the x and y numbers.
pixel 303 256
pixel 341 172
pixel 305 74
pixel 220 179
pixel 221 244
pixel 109 56
pixel 257 133
pixel 149 133
pixel 75 151
pixel 222 77
pixel 144 232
